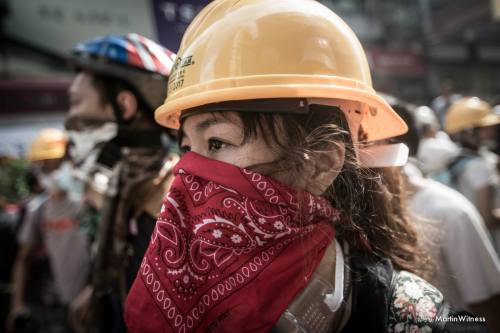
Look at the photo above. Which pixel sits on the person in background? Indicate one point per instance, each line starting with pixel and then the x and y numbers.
pixel 472 124
pixel 124 158
pixel 9 234
pixel 435 149
pixel 441 104
pixel 277 219
pixel 494 144
pixel 17 186
pixel 468 268
pixel 35 189
pixel 50 232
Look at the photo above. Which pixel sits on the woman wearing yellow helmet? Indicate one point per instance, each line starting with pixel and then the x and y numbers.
pixel 274 196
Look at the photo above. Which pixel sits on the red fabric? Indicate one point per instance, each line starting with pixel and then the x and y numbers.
pixel 230 250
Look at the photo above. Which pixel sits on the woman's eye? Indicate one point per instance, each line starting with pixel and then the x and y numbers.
pixel 185 149
pixel 214 144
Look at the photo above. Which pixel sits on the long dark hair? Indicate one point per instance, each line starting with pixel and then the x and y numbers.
pixel 372 201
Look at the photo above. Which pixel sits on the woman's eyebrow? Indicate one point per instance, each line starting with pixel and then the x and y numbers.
pixel 205 124
pixel 201 127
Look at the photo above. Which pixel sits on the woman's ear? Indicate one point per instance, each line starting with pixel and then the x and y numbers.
pixel 327 166
pixel 127 102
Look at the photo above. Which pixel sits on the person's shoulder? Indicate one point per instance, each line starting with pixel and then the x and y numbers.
pixel 437 189
pixel 419 307
pixel 448 204
pixel 397 301
pixel 36 202
pixel 439 194
pixel 478 164
pixel 480 171
pixel 438 103
pixel 415 303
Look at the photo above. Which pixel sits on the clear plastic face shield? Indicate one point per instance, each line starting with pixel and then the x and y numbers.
pixel 376 154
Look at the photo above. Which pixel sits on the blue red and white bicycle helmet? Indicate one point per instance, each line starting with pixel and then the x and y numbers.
pixel 139 61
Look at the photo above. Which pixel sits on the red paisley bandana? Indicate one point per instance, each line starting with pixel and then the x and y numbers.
pixel 230 250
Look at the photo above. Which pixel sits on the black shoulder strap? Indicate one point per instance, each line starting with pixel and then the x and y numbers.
pixel 39 217
pixel 371 282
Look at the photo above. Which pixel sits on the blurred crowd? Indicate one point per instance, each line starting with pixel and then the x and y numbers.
pixel 77 213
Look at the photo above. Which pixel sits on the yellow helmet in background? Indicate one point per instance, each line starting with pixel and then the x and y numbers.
pixel 261 49
pixel 50 143
pixel 469 112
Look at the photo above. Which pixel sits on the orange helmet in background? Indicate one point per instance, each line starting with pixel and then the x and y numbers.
pixel 469 112
pixel 50 143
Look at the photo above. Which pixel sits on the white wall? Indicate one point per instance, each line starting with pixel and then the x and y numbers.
pixel 17 132
pixel 57 25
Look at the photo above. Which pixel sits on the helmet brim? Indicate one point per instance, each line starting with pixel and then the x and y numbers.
pixel 381 122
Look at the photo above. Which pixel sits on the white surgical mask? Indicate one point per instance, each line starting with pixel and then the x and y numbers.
pixel 63 179
pixel 83 142
pixel 436 153
pixel 48 182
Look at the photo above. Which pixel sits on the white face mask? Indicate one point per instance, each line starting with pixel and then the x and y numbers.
pixel 63 179
pixel 48 183
pixel 436 153
pixel 83 142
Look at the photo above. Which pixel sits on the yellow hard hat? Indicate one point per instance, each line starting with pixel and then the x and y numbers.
pixel 469 112
pixel 261 49
pixel 50 143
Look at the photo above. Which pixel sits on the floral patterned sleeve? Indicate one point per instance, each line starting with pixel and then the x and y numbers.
pixel 415 304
